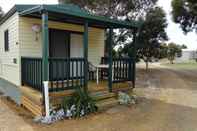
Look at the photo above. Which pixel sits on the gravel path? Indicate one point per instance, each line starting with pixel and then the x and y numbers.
pixel 10 121
pixel 168 102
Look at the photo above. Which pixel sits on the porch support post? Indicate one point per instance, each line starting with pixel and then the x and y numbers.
pixel 110 59
pixel 45 46
pixel 134 57
pixel 85 51
pixel 45 63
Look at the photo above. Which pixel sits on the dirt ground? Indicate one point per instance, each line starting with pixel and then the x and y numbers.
pixel 167 102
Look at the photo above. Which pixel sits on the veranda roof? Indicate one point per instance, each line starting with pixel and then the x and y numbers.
pixel 71 14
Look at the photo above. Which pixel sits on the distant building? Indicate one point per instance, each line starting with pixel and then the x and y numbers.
pixel 187 55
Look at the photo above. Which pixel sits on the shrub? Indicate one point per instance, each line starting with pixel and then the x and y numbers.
pixel 79 104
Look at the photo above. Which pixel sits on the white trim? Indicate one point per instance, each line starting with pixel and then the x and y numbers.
pixel 46 98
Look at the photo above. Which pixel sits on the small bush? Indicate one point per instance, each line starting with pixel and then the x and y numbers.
pixel 79 104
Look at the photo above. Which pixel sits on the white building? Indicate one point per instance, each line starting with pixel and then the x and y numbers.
pixel 187 55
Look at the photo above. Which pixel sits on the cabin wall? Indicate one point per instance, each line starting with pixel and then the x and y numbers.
pixel 9 61
pixel 32 48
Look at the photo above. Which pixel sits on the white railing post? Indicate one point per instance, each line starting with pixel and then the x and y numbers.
pixel 46 98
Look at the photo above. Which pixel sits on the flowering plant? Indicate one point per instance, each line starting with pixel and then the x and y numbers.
pixel 79 104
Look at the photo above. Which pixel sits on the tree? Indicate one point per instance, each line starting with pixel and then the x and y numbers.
pixel 163 51
pixel 114 8
pixel 150 38
pixel 185 13
pixel 1 13
pixel 174 50
pixel 152 35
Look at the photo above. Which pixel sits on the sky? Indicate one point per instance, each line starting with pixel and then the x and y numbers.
pixel 174 31
pixel 175 34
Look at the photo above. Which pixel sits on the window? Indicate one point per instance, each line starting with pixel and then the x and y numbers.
pixel 6 40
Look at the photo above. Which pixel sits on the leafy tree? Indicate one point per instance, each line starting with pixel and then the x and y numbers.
pixel 163 51
pixel 1 13
pixel 174 51
pixel 185 13
pixel 152 35
pixel 114 8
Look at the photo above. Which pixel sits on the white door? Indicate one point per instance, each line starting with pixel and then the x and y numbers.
pixel 76 45
pixel 76 51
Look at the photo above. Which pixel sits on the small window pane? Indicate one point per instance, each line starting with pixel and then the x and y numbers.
pixel 6 40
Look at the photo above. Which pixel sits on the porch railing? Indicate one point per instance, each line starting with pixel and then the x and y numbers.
pixel 123 69
pixel 64 73
pixel 68 73
pixel 31 72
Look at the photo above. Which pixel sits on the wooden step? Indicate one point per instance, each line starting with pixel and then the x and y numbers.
pixel 107 103
pixel 32 94
pixel 124 89
pixel 37 110
pixel 97 96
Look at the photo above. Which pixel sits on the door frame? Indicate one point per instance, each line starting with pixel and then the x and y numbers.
pixel 66 31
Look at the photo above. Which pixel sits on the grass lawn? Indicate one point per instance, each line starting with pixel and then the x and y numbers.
pixel 184 65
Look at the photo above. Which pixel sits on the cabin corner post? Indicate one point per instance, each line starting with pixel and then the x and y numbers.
pixel 85 51
pixel 45 62
pixel 110 81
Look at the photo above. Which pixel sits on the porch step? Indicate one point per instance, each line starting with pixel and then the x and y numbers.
pixel 32 100
pixel 104 99
pixel 106 103
pixel 102 95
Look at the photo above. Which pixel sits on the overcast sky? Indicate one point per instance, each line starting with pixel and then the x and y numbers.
pixel 174 32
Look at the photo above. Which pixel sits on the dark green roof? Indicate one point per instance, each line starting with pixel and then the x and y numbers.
pixel 70 13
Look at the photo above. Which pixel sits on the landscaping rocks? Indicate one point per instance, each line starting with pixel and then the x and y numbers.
pixel 125 99
pixel 55 116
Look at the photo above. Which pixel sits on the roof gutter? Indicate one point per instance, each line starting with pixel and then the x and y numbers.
pixel 31 10
pixel 8 15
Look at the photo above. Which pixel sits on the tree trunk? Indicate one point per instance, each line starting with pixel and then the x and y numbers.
pixel 147 65
pixel 171 62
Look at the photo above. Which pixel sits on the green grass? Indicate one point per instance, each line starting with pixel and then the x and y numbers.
pixel 184 65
